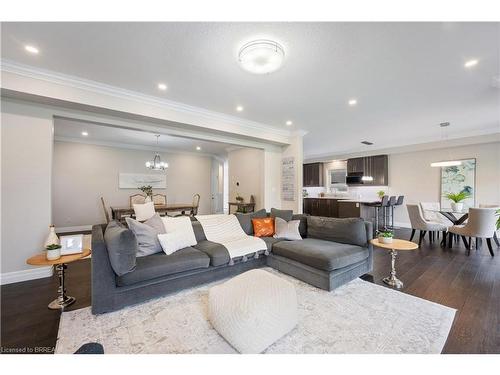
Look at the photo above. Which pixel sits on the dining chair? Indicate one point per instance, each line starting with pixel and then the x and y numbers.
pixel 497 208
pixel 431 213
pixel 196 203
pixel 106 213
pixel 159 199
pixel 419 223
pixel 481 224
pixel 137 199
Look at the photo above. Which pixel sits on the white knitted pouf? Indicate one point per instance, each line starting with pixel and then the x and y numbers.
pixel 253 310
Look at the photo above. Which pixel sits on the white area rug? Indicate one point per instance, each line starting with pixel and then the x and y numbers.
pixel 359 317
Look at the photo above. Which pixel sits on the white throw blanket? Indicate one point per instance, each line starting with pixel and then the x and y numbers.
pixel 226 230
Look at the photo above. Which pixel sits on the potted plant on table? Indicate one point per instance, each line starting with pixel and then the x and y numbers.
pixel 385 236
pixel 380 194
pixel 53 251
pixel 239 198
pixel 148 190
pixel 456 199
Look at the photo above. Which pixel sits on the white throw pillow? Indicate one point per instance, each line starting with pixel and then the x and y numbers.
pixel 286 230
pixel 144 211
pixel 180 234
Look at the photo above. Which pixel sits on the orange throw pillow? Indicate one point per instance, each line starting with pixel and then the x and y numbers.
pixel 263 227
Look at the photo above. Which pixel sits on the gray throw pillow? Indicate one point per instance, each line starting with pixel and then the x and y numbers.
pixel 282 214
pixel 350 230
pixel 147 236
pixel 303 223
pixel 199 234
pixel 122 248
pixel 156 222
pixel 246 219
pixel 286 230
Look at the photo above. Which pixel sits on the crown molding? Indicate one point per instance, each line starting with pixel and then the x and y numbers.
pixel 481 137
pixel 134 147
pixel 27 71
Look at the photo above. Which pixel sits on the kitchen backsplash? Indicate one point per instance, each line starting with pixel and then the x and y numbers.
pixel 357 192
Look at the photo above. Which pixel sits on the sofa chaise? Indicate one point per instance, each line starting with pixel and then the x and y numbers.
pixel 331 253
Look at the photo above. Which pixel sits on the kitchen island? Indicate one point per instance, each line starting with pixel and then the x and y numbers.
pixel 340 207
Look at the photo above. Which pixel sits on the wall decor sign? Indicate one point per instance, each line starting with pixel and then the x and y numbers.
pixel 288 178
pixel 135 180
pixel 457 179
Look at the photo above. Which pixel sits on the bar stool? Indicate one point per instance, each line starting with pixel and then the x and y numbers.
pixel 399 202
pixel 391 204
pixel 384 204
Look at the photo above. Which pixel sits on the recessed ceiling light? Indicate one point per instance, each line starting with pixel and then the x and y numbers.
pixel 471 63
pixel 368 143
pixel 239 108
pixel 261 56
pixel 31 49
pixel 84 133
pixel 352 102
pixel 289 123
pixel 198 148
pixel 162 87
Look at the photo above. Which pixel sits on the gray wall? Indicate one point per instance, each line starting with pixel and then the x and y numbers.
pixel 26 155
pixel 246 167
pixel 82 173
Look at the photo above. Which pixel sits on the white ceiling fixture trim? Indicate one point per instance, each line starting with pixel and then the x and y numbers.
pixel 100 88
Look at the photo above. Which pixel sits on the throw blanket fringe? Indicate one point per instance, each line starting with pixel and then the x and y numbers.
pixel 226 230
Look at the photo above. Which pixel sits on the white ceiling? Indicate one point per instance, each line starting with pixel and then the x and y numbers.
pixel 71 130
pixel 407 77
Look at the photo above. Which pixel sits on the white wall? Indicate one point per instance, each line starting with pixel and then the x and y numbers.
pixel 411 175
pixel 246 168
pixel 26 159
pixel 82 173
pixel 295 149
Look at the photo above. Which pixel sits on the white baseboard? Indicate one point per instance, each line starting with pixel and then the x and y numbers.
pixel 79 228
pixel 402 225
pixel 25 275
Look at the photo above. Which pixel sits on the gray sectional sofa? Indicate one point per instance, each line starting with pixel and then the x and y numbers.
pixel 332 253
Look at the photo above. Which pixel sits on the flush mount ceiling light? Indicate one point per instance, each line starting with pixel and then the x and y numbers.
pixel 261 56
pixel 162 87
pixel 352 102
pixel 471 63
pixel 31 49
pixel 157 164
pixel 446 163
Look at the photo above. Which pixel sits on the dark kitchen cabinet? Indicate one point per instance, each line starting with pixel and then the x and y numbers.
pixel 313 174
pixel 321 207
pixel 376 166
pixel 355 165
pixel 380 170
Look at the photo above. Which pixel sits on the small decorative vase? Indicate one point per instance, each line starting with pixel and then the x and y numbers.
pixel 457 206
pixel 52 238
pixel 385 239
pixel 53 254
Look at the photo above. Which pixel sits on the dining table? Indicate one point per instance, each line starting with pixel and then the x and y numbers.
pixel 117 213
pixel 456 217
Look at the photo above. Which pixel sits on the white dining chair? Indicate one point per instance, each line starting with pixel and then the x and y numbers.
pixel 481 224
pixel 419 223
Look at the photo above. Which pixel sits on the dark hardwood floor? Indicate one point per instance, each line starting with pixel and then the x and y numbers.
pixel 470 284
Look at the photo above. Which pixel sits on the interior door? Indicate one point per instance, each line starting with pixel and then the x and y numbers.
pixel 217 187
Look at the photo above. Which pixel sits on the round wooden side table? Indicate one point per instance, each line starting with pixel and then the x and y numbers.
pixel 60 265
pixel 394 247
